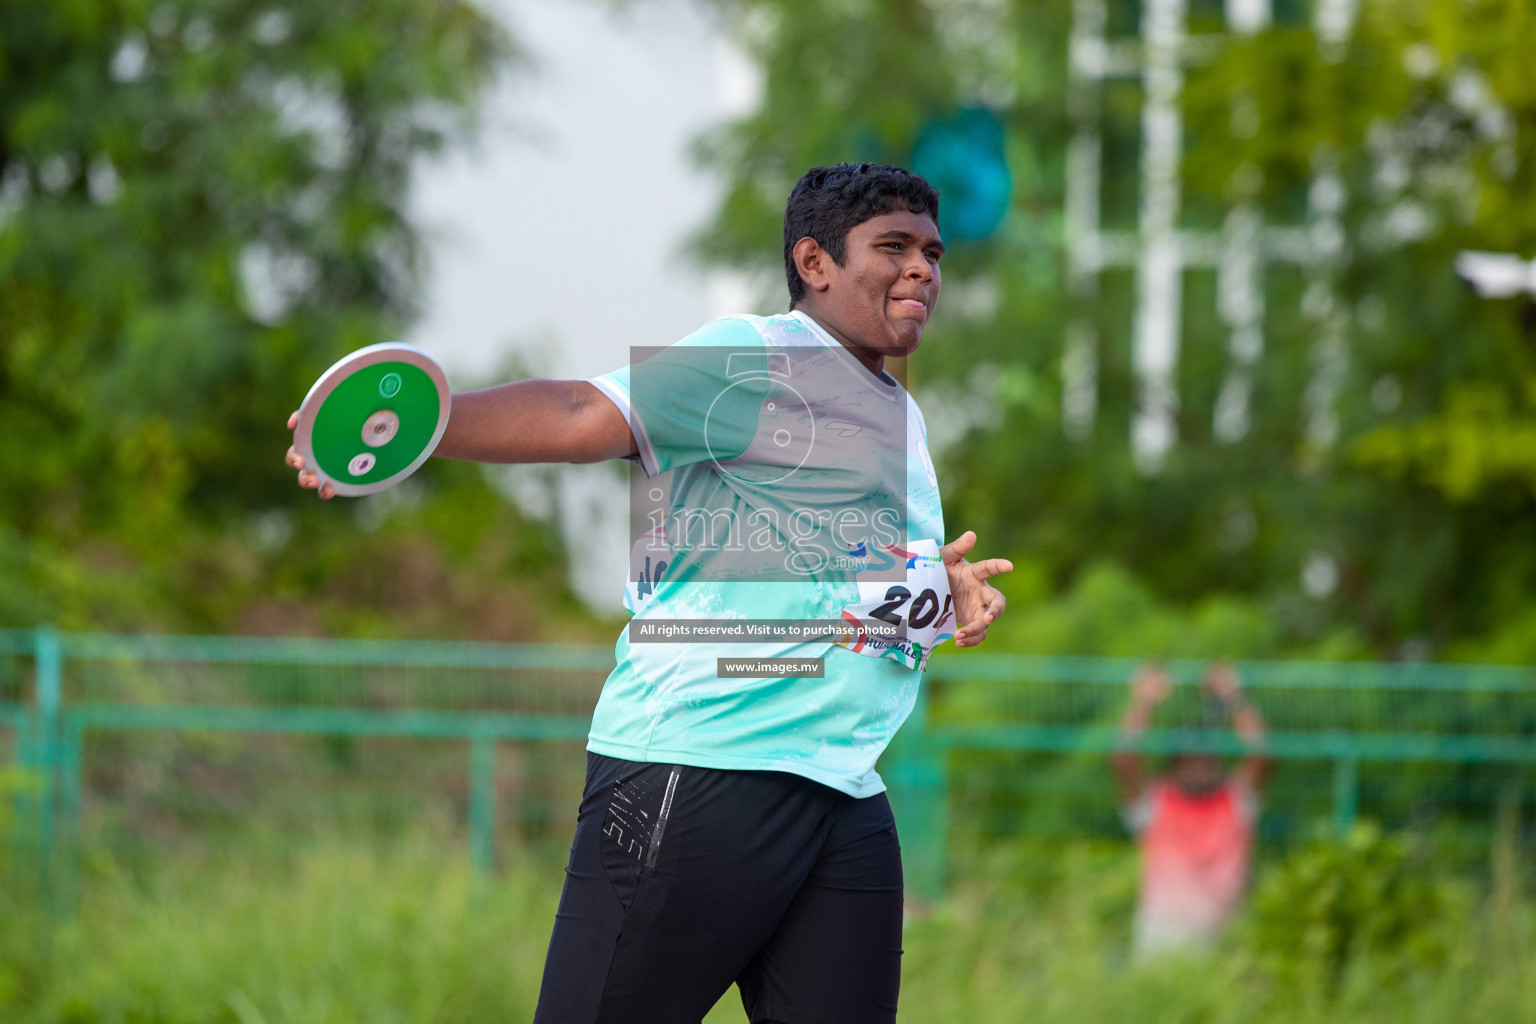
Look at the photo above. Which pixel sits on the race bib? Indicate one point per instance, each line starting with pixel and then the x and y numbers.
pixel 921 608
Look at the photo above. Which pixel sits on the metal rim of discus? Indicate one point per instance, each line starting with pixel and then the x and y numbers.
pixel 385 427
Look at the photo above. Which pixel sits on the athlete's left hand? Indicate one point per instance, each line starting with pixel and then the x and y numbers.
pixel 977 603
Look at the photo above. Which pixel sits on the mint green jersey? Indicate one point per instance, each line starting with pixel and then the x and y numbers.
pixel 768 424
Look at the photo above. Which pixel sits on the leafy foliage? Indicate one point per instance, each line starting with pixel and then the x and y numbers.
pixel 1381 497
pixel 202 205
pixel 1342 901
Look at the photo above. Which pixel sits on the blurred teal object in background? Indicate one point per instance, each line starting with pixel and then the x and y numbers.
pixel 963 158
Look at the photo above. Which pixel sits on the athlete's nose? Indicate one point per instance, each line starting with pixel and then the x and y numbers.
pixel 919 269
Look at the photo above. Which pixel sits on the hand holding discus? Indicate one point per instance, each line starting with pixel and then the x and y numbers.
pixel 370 421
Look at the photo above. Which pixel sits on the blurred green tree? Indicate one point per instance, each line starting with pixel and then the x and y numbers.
pixel 1384 486
pixel 202 205
pixel 1425 499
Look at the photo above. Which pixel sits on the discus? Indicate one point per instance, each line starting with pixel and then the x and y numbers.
pixel 373 418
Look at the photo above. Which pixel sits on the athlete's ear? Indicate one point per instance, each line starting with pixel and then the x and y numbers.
pixel 812 261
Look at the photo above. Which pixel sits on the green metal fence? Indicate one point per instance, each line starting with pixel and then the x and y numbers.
pixel 113 699
pixel 1021 746
pixel 137 741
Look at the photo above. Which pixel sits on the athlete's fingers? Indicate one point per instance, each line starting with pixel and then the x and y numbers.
pixel 988 567
pixel 294 459
pixel 956 549
pixel 971 631
pixel 975 609
pixel 310 480
pixel 992 605
pixel 971 635
pixel 995 603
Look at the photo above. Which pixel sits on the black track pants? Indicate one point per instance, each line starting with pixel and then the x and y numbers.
pixel 683 880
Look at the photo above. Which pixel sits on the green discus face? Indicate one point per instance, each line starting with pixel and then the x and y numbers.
pixel 341 442
pixel 373 418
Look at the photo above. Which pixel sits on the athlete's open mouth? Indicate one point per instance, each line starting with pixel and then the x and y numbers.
pixel 916 304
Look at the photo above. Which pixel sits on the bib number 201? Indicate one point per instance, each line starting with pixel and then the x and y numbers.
pixel 925 607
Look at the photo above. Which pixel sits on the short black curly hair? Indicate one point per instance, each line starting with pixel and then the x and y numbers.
pixel 828 202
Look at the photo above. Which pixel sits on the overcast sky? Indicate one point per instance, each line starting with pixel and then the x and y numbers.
pixel 559 236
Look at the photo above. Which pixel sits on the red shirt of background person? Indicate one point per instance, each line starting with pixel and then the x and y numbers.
pixel 1195 824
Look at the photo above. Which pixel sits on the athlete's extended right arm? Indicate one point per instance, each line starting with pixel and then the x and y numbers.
pixel 525 421
pixel 536 421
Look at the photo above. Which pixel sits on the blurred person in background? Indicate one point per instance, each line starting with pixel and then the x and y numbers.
pixel 1195 823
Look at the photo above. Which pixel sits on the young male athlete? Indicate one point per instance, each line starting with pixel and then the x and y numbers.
pixel 733 828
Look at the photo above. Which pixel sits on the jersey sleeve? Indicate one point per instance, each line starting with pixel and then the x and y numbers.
pixel 694 401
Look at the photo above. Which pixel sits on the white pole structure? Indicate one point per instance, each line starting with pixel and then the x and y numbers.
pixel 1159 251
pixel 1496 275
pixel 1080 357
pixel 1240 301
pixel 1334 22
pixel 1240 274
pixel 1246 17
pixel 1320 304
pixel 1160 264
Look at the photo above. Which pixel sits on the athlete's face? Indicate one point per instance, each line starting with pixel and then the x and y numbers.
pixel 879 300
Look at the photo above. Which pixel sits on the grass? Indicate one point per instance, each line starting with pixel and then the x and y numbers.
pixel 339 932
